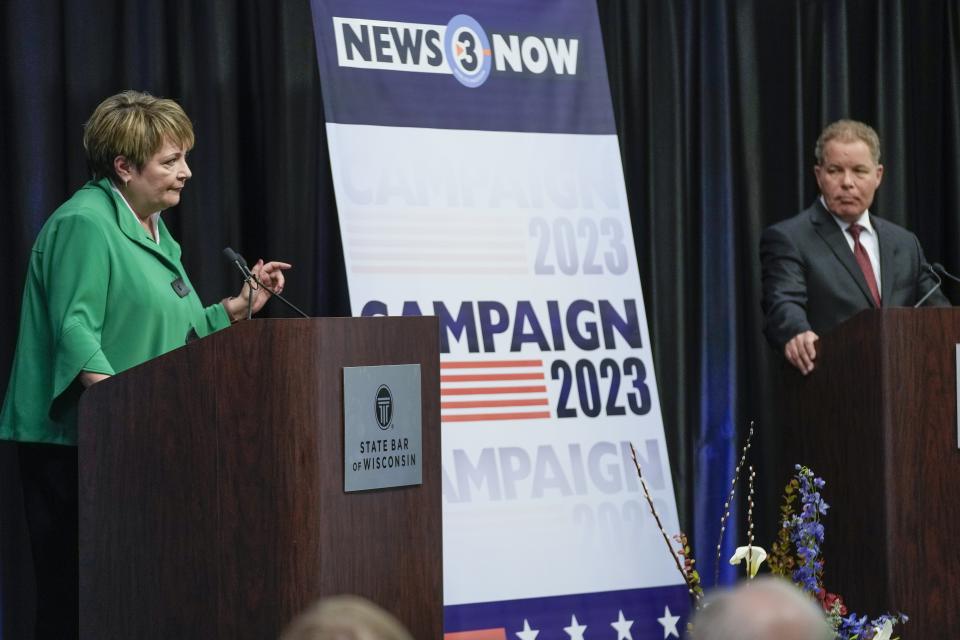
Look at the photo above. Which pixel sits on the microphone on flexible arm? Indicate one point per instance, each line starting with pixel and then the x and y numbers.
pixel 237 259
pixel 939 269
pixel 241 264
pixel 933 272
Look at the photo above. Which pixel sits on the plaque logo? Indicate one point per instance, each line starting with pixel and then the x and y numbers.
pixel 383 407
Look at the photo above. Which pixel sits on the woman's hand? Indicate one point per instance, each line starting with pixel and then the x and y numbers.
pixel 268 273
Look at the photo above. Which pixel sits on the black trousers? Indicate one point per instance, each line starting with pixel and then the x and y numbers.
pixel 48 474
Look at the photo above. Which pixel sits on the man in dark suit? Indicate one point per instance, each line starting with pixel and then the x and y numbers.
pixel 834 259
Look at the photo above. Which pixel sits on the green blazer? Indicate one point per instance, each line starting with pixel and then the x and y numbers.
pixel 98 297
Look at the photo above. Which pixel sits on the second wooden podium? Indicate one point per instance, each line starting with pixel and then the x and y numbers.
pixel 877 419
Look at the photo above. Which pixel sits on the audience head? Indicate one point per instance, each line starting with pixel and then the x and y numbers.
pixel 766 608
pixel 345 618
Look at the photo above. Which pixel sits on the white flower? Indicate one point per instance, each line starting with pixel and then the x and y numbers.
pixel 884 632
pixel 754 556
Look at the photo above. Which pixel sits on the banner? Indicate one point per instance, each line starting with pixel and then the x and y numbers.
pixel 478 179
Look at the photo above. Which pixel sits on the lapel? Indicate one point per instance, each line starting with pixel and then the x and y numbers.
pixel 137 234
pixel 888 256
pixel 830 232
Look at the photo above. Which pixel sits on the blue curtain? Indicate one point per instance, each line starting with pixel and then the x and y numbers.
pixel 716 230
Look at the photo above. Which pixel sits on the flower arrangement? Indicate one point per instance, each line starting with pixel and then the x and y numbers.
pixel 794 555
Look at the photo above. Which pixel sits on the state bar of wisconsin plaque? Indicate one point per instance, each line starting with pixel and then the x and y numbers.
pixel 382 427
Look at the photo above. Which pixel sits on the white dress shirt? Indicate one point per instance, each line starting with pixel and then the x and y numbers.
pixel 868 238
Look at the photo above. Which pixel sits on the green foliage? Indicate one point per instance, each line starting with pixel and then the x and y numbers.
pixel 782 560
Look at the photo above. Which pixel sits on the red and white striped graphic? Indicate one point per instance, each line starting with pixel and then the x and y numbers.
pixel 421 244
pixel 482 390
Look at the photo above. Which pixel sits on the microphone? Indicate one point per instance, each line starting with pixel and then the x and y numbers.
pixel 933 272
pixel 237 259
pixel 939 268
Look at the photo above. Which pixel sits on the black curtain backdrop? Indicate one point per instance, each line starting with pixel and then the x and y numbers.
pixel 718 104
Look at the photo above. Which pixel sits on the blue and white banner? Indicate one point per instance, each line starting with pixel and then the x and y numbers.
pixel 478 179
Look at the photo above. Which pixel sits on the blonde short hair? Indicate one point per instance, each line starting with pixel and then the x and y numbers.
pixel 134 125
pixel 345 618
pixel 848 131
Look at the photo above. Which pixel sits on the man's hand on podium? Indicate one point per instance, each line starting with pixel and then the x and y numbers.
pixel 801 351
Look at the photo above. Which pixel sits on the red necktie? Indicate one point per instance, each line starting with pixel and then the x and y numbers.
pixel 864 261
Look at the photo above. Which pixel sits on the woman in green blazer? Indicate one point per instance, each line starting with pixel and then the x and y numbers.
pixel 105 291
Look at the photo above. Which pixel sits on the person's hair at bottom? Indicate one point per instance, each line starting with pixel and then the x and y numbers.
pixel 767 608
pixel 345 617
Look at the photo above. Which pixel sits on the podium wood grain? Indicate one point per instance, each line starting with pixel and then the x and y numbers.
pixel 877 420
pixel 211 486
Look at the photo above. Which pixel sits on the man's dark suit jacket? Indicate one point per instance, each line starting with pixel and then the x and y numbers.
pixel 811 280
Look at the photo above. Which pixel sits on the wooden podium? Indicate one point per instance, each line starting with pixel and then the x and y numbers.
pixel 211 486
pixel 877 419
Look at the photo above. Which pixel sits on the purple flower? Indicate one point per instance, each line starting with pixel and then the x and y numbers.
pixel 852 626
pixel 806 533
